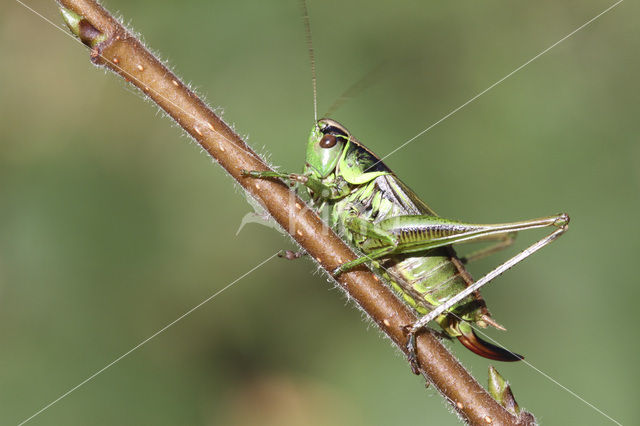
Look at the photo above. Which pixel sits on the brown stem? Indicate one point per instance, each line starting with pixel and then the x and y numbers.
pixel 122 53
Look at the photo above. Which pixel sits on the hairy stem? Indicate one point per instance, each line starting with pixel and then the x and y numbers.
pixel 113 47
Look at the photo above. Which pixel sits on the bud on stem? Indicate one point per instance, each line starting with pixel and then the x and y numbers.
pixel 87 33
pixel 499 389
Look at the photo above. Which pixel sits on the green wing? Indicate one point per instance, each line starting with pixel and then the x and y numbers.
pixel 390 183
pixel 405 196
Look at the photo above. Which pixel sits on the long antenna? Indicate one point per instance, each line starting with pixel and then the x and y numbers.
pixel 356 88
pixel 307 27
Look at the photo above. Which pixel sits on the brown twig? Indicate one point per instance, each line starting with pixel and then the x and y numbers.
pixel 113 47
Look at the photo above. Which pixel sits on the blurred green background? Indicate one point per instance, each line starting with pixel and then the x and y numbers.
pixel 113 224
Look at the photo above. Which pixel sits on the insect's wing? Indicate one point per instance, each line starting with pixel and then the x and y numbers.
pixel 389 182
pixel 405 196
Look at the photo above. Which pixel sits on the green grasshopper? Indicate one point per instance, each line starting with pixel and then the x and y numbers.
pixel 407 245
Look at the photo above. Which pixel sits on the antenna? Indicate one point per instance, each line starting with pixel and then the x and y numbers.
pixel 307 27
pixel 356 88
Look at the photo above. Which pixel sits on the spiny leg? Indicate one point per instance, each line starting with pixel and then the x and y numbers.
pixel 268 174
pixel 377 254
pixel 323 191
pixel 384 238
pixel 561 222
pixel 419 233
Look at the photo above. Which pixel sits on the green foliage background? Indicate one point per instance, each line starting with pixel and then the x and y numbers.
pixel 113 224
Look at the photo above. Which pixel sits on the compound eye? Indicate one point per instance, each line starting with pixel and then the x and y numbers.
pixel 328 141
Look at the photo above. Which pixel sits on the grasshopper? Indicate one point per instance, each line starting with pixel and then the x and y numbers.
pixel 405 242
